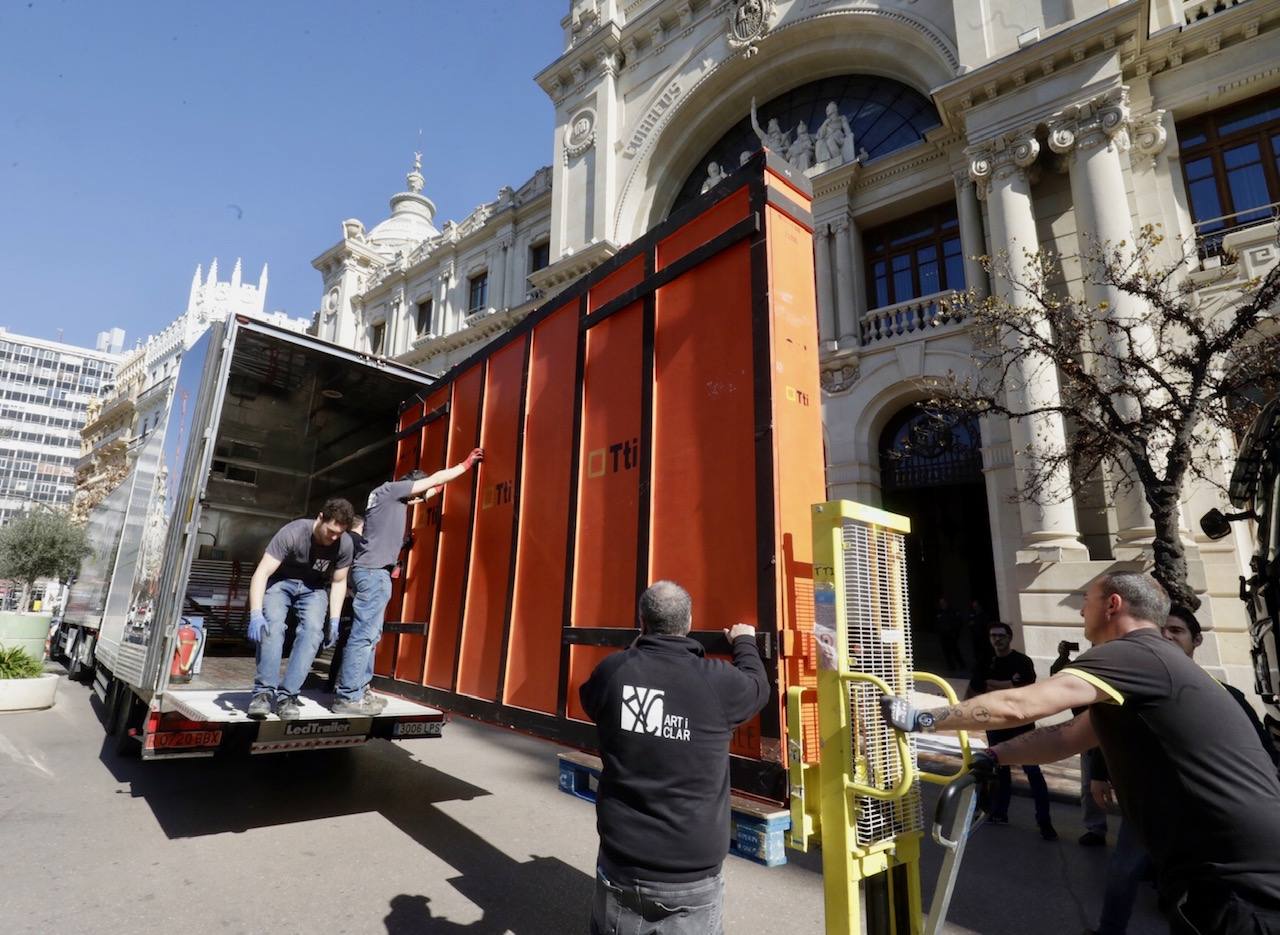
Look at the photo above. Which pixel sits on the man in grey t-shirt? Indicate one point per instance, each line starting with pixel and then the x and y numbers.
pixel 377 554
pixel 295 571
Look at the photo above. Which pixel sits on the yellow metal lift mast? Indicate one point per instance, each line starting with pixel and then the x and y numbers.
pixel 867 812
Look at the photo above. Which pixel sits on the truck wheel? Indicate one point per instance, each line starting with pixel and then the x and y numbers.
pixel 126 717
pixel 75 668
pixel 108 711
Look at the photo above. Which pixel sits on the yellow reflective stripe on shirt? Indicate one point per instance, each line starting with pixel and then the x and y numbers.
pixel 1096 682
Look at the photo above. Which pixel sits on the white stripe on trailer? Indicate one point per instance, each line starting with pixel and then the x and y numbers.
pixel 308 743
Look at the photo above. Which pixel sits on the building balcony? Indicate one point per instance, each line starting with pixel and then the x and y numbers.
pixel 1214 235
pixel 910 319
pixel 113 408
pixel 117 439
pixel 1244 255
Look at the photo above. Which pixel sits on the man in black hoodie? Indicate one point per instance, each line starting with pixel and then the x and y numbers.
pixel 664 714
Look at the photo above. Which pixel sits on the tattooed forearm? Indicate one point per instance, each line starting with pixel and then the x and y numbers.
pixel 1048 744
pixel 961 712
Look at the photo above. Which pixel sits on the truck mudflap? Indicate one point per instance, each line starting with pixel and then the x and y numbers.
pixel 204 723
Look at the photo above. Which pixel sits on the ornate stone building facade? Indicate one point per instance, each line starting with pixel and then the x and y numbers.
pixel 933 132
pixel 131 406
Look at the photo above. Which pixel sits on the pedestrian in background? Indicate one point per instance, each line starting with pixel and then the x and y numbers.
pixel 1008 668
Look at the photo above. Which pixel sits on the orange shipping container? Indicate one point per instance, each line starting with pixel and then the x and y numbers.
pixel 660 419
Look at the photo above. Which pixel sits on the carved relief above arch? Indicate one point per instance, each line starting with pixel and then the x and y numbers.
pixel 715 94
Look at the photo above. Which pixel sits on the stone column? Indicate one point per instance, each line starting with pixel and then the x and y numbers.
pixel 437 307
pixel 1092 136
pixel 828 323
pixel 846 308
pixel 447 322
pixel 859 277
pixel 1048 525
pixel 972 242
pixel 498 275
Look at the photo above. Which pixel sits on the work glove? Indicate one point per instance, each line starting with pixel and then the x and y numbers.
pixel 903 715
pixel 331 634
pixel 257 626
pixel 477 454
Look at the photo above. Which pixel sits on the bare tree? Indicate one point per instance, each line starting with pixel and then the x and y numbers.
pixel 1146 392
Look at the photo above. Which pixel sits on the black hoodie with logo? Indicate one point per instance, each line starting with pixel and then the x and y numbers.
pixel 664 714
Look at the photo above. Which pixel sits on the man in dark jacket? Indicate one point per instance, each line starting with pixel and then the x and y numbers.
pixel 1008 668
pixel 664 715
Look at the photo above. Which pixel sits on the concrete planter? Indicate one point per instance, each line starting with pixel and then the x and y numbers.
pixel 28 694
pixel 26 630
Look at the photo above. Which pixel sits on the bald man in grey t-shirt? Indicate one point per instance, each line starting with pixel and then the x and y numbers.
pixel 377 553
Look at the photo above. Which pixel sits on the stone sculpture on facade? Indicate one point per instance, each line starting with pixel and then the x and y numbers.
pixel 834 143
pixel 749 21
pixel 800 152
pixel 715 175
pixel 775 138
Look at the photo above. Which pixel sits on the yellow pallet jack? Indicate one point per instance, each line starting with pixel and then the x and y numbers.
pixel 858 794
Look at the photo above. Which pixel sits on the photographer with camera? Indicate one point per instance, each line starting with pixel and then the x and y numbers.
pixel 1095 816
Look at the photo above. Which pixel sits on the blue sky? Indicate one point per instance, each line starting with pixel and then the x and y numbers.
pixel 138 139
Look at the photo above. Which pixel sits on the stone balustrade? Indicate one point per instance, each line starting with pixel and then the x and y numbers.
pixel 1193 11
pixel 912 317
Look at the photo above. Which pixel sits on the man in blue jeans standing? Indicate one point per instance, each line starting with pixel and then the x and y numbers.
pixel 664 715
pixel 296 571
pixel 377 553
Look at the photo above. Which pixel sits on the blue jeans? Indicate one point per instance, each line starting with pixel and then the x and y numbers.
pixel 1004 793
pixel 1128 862
pixel 653 908
pixel 1095 816
pixel 370 591
pixel 310 605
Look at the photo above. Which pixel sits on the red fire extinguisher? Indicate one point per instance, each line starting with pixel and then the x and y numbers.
pixel 189 644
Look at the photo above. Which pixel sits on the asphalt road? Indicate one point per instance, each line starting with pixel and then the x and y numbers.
pixel 463 834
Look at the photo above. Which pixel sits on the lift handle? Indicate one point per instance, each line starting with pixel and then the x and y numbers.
pixel 901 743
pixel 951 800
pixel 966 754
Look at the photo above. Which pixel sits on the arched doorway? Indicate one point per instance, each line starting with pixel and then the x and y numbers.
pixel 931 471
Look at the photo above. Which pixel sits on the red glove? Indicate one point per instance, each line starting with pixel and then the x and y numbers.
pixel 477 454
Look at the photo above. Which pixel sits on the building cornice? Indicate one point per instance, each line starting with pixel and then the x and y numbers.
pixel 601 49
pixel 1120 27
pixel 344 249
pixel 1178 45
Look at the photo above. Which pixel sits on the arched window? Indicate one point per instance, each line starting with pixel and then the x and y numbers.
pixel 885 115
pixel 921 447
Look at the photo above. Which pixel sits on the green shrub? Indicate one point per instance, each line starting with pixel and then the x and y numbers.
pixel 16 663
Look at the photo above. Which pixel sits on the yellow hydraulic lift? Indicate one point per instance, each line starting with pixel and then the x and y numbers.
pixel 860 798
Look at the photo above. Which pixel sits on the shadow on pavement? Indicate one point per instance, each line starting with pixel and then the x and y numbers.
pixel 191 798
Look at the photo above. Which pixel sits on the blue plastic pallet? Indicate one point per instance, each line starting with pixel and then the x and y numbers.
pixel 758 831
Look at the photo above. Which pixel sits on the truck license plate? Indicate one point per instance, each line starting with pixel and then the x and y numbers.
pixel 417 729
pixel 169 740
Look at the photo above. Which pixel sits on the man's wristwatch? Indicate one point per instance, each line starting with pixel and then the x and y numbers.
pixel 924 721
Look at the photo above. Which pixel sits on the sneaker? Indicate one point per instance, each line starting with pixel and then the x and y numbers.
pixel 1093 839
pixel 288 708
pixel 262 704
pixel 377 702
pixel 1047 832
pixel 367 706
